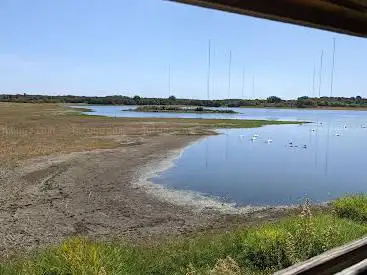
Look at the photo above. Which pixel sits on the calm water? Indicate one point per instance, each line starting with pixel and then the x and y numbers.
pixel 243 113
pixel 326 158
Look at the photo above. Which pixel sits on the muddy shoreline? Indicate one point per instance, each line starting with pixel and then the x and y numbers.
pixel 105 194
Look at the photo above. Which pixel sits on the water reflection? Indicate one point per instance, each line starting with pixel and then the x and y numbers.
pixel 243 113
pixel 327 149
pixel 206 153
pixel 321 161
pixel 302 161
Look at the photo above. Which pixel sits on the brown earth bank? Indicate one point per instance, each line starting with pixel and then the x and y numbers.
pixel 73 181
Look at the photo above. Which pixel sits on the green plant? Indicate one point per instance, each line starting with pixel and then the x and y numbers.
pixel 265 248
pixel 296 239
pixel 308 236
pixel 273 99
pixel 352 207
pixel 226 266
pixel 199 109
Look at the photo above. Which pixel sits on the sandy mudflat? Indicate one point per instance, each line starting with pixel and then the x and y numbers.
pixel 105 194
pixel 64 174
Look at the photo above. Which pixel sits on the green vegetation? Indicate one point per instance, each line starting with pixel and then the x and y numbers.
pixel 279 245
pixel 256 250
pixel 270 102
pixel 274 99
pixel 305 101
pixel 81 110
pixel 211 123
pixel 33 130
pixel 352 207
pixel 176 109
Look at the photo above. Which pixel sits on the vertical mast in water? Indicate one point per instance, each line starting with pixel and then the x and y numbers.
pixel 209 61
pixel 313 81
pixel 329 122
pixel 243 80
pixel 332 69
pixel 208 94
pixel 229 89
pixel 169 80
pixel 253 87
pixel 320 76
pixel 229 72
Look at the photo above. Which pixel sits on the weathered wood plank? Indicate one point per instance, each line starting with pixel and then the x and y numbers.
pixel 356 269
pixel 344 16
pixel 332 261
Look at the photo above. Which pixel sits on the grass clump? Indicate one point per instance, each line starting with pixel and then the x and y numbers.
pixel 279 245
pixel 352 207
pixel 226 266
pixel 265 248
pixel 78 256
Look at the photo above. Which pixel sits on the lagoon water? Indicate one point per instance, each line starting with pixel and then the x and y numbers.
pixel 321 160
pixel 242 113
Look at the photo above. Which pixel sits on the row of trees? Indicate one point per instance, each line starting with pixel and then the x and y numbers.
pixel 352 102
pixel 272 101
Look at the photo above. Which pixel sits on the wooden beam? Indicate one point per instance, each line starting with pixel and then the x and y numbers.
pixel 360 268
pixel 343 16
pixel 332 261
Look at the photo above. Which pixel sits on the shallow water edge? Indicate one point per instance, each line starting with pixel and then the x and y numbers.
pixel 196 201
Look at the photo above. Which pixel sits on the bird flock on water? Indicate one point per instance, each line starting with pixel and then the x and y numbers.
pixel 255 137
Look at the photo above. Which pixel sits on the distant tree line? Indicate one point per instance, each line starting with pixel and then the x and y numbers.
pixel 272 101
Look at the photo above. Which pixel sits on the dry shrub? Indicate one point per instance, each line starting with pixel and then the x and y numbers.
pixel 226 266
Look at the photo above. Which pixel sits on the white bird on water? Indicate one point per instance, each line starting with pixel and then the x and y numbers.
pixel 253 138
pixel 269 141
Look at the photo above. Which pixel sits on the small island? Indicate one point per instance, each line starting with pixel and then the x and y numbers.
pixel 177 109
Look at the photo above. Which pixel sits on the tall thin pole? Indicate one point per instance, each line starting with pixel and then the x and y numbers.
pixel 320 76
pixel 332 69
pixel 313 81
pixel 243 80
pixel 229 73
pixel 169 80
pixel 209 60
pixel 253 87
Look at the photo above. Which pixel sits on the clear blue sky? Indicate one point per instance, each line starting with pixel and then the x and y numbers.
pixel 95 47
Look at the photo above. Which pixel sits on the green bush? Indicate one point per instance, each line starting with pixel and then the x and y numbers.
pixel 275 246
pixel 265 248
pixel 352 207
pixel 273 99
pixel 305 101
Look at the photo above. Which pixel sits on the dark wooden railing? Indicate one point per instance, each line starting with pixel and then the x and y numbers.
pixel 345 16
pixel 348 259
